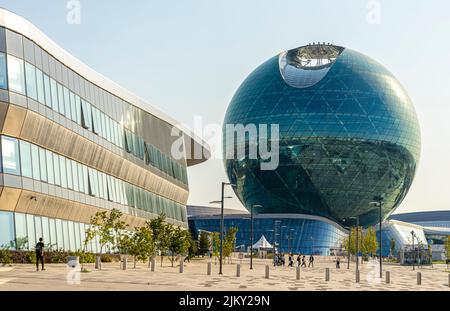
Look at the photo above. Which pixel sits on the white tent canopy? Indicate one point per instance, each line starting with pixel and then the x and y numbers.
pixel 262 243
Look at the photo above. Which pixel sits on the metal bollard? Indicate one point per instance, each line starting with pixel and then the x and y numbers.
pixel 181 265
pixel 388 277
pixel 419 278
pixel 327 274
pixel 357 276
pixel 124 264
pixel 208 271
pixel 267 271
pixel 153 264
pixel 98 262
pixel 449 280
pixel 238 270
pixel 297 270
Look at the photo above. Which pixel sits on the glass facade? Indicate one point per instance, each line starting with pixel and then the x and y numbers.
pixel 22 231
pixel 35 162
pixel 28 70
pixel 348 134
pixel 295 234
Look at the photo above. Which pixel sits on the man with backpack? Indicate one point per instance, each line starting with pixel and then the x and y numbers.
pixel 40 254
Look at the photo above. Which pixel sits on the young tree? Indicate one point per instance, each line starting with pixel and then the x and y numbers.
pixel 193 246
pixel 392 247
pixel 350 245
pixel 161 234
pixel 178 243
pixel 107 226
pixel 204 243
pixel 229 242
pixel 369 243
pixel 215 239
pixel 447 249
pixel 139 244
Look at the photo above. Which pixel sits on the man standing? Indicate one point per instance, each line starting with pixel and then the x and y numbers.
pixel 40 254
pixel 311 261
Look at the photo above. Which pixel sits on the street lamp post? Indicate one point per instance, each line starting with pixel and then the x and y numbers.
pixel 348 247
pixel 379 203
pixel 222 221
pixel 275 239
pixel 281 237
pixel 357 243
pixel 413 250
pixel 251 236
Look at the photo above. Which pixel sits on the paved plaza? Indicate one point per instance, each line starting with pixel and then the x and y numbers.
pixel 61 278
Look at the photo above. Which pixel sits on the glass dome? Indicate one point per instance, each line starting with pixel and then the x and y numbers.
pixel 348 134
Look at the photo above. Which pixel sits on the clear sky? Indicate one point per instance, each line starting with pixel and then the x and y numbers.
pixel 188 58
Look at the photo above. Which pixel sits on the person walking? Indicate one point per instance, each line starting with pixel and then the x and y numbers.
pixel 299 260
pixel 311 261
pixel 338 263
pixel 40 254
pixel 304 261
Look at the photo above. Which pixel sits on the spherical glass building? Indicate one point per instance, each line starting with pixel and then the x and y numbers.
pixel 348 135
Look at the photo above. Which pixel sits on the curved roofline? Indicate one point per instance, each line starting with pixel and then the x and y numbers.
pixel 21 25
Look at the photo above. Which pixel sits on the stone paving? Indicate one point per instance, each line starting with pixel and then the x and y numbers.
pixel 61 278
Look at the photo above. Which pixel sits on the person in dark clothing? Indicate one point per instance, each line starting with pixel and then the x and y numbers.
pixel 338 263
pixel 304 261
pixel 311 261
pixel 40 254
pixel 299 260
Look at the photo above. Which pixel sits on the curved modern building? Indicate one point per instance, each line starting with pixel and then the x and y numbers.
pixel 348 134
pixel 74 143
pixel 295 233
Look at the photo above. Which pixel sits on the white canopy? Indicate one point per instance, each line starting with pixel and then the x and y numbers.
pixel 262 243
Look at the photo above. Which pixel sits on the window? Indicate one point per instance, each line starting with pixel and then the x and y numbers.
pixel 80 177
pixel 31 231
pixel 25 159
pixel 66 235
pixel 45 230
pixel 38 227
pixel 10 155
pixel 62 166
pixel 86 120
pixel 50 170
pixel 30 77
pixel 61 99
pixel 95 120
pixel 48 98
pixel 21 231
pixel 69 174
pixel 16 75
pixel 73 108
pixel 66 102
pixel 7 237
pixel 75 175
pixel 40 86
pixel 78 109
pixel 53 240
pixel 59 234
pixel 43 164
pixel 54 91
pixel 35 162
pixel 3 77
pixel 85 179
pixel 103 125
pixel 57 169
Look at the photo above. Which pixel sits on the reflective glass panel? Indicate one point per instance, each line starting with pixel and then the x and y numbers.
pixel 25 159
pixel 30 73
pixel 16 75
pixel 10 155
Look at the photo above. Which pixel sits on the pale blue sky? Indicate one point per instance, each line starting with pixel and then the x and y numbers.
pixel 188 57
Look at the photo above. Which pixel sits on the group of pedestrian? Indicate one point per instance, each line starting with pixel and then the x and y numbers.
pixel 301 260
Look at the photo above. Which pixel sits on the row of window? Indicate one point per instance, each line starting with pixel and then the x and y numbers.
pixel 26 79
pixel 28 160
pixel 22 232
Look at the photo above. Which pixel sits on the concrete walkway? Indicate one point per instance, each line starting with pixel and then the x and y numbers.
pixel 61 278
